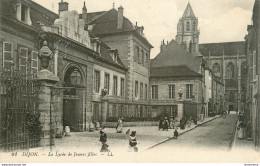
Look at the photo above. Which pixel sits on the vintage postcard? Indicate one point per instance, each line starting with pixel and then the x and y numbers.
pixel 129 81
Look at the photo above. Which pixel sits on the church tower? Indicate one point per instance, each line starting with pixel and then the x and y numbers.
pixel 187 30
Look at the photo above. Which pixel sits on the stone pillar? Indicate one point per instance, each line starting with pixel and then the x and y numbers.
pixel 180 110
pixel 46 108
pixel 56 52
pixel 104 109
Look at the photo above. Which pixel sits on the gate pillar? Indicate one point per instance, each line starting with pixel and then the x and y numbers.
pixel 47 83
pixel 104 108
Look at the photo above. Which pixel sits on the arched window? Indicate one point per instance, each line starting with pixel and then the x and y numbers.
pixel 230 70
pixel 216 68
pixel 194 26
pixel 188 26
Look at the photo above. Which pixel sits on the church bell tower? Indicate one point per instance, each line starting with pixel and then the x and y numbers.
pixel 187 30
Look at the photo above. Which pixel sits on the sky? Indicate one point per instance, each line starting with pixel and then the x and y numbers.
pixel 219 20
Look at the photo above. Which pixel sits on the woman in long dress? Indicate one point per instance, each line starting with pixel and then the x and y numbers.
pixel 119 127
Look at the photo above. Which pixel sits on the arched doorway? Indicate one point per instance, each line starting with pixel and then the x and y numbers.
pixel 73 108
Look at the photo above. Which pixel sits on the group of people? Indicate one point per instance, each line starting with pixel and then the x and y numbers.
pixel 166 124
pixel 119 129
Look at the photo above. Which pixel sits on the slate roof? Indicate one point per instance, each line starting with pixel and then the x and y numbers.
pixel 188 13
pixel 173 71
pixel 38 13
pixel 175 55
pixel 106 23
pixel 105 54
pixel 217 49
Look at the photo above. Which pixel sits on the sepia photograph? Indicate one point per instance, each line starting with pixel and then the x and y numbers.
pixel 129 81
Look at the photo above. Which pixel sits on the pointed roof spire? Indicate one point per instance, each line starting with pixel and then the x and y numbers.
pixel 84 6
pixel 188 13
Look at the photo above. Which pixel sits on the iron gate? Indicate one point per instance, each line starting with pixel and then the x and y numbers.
pixel 19 118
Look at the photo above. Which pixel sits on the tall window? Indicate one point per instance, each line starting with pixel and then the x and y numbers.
pixel 142 60
pixel 147 60
pixel 189 91
pixel 230 70
pixel 188 26
pixel 7 56
pixel 23 60
pixel 194 26
pixel 107 81
pixel 145 91
pixel 115 85
pixel 216 68
pixel 138 54
pixel 171 91
pixel 154 91
pixel 96 81
pixel 34 62
pixel 141 90
pixel 136 88
pixel 122 87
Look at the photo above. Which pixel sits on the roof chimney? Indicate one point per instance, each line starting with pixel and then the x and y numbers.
pixel 63 6
pixel 84 13
pixel 163 46
pixel 120 18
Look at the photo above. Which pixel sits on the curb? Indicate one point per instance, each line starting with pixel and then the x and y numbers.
pixel 234 136
pixel 169 138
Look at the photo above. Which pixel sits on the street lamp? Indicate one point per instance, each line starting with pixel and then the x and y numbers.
pixel 75 77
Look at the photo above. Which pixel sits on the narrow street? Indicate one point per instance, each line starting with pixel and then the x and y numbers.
pixel 214 135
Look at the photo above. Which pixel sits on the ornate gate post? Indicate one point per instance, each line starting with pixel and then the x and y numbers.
pixel 104 106
pixel 48 81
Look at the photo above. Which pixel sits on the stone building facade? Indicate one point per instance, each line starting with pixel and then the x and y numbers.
pixel 134 51
pixel 252 85
pixel 227 60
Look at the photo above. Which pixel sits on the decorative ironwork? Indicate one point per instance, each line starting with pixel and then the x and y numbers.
pixel 19 115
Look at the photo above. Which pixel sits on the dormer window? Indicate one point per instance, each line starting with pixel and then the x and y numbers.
pixel 23 13
pixel 114 56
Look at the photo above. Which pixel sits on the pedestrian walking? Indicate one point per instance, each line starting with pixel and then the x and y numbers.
pixel 176 133
pixel 133 142
pixel 175 122
pixel 165 124
pixel 161 124
pixel 103 140
pixel 171 123
pixel 119 127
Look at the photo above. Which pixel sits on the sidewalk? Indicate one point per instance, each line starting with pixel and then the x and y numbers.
pixel 242 144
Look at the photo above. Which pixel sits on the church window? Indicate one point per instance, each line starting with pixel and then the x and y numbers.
pixel 216 68
pixel 194 26
pixel 188 26
pixel 230 70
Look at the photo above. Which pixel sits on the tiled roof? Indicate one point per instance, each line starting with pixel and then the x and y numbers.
pixel 173 71
pixel 218 49
pixel 175 55
pixel 106 23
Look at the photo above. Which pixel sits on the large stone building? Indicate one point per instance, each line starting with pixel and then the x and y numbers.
pixel 83 64
pixel 175 71
pixel 134 50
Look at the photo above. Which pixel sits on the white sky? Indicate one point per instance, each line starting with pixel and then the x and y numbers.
pixel 219 20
